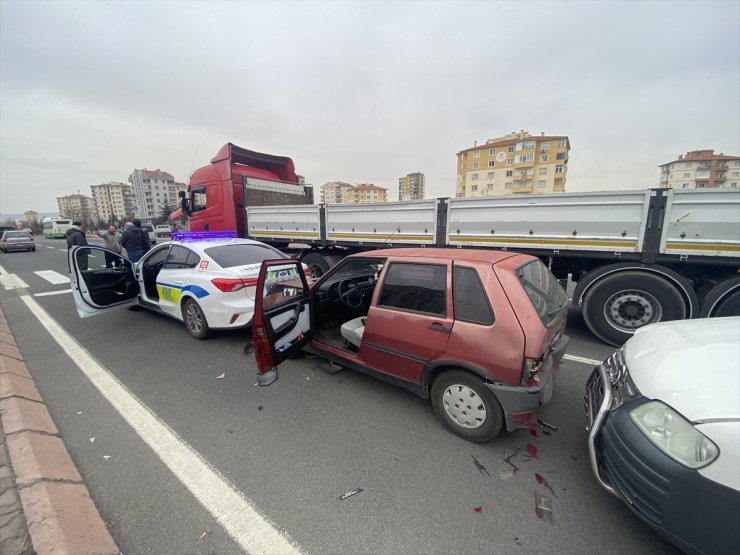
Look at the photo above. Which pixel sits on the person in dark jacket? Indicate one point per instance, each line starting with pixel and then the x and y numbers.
pixel 146 244
pixel 132 240
pixel 76 238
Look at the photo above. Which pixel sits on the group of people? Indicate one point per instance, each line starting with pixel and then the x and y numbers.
pixel 134 239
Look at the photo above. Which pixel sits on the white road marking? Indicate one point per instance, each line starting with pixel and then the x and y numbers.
pixel 50 293
pixel 12 281
pixel 253 532
pixel 591 361
pixel 52 277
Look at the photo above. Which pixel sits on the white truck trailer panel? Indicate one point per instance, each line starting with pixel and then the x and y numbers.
pixel 595 221
pixel 292 223
pixel 702 222
pixel 383 223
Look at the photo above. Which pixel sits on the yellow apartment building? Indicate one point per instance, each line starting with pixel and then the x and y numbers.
pixel 517 163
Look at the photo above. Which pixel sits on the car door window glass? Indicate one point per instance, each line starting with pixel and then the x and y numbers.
pixel 177 259
pixel 415 287
pixel 192 261
pixel 470 299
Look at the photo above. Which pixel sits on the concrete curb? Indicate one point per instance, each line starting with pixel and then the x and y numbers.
pixel 61 516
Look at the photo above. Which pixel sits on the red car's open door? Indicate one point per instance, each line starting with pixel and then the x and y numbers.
pixel 282 316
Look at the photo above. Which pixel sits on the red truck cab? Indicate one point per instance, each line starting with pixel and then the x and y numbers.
pixel 216 195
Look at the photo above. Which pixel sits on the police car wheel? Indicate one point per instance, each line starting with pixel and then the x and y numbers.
pixel 195 320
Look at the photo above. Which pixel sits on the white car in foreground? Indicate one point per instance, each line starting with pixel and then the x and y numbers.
pixel 207 281
pixel 664 430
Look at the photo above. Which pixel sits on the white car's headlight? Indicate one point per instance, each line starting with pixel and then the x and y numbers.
pixel 674 435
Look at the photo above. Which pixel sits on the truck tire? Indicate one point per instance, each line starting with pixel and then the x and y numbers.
pixel 466 406
pixel 722 300
pixel 617 305
pixel 319 264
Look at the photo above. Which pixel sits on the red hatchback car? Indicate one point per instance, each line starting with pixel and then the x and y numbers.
pixel 480 332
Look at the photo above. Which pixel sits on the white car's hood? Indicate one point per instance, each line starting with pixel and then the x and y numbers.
pixel 693 366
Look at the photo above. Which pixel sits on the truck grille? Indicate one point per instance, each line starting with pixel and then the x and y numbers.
pixel 642 487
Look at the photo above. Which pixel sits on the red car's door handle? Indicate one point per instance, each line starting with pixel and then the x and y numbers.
pixel 434 326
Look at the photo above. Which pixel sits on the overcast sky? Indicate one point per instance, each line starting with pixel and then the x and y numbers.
pixel 363 92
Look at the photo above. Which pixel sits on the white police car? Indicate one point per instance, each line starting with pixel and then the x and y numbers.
pixel 206 280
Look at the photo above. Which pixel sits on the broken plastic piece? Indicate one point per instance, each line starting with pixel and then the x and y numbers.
pixel 92 440
pixel 532 450
pixel 547 425
pixel 221 376
pixel 482 469
pixel 478 509
pixel 350 494
pixel 543 507
pixel 203 535
pixel 541 480
pixel 534 434
pixel 507 460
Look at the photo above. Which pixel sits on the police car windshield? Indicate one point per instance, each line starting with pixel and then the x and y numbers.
pixel 228 256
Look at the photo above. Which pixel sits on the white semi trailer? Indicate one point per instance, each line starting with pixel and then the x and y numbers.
pixel 636 257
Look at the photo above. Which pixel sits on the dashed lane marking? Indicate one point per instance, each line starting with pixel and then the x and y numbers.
pixel 50 293
pixel 591 361
pixel 52 277
pixel 253 532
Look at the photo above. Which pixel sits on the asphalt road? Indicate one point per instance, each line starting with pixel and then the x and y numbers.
pixel 292 449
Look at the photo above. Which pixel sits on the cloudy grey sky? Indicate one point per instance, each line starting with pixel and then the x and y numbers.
pixel 357 91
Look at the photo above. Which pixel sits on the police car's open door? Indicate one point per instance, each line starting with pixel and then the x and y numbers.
pixel 282 316
pixel 101 280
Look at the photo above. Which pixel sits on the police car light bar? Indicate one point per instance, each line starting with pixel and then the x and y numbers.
pixel 203 235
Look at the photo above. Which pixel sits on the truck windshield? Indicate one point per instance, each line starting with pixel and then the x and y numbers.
pixel 543 289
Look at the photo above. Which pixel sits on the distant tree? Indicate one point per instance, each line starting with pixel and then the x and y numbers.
pixel 9 224
pixel 164 214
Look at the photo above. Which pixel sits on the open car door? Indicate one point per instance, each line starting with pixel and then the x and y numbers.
pixel 101 280
pixel 282 316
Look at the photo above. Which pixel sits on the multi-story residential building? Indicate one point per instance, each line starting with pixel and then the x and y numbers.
pixel 113 201
pixel 77 207
pixel 515 163
pixel 701 169
pixel 335 192
pixel 412 187
pixel 153 190
pixel 366 192
pixel 30 218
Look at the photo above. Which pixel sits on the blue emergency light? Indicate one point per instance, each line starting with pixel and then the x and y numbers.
pixel 203 235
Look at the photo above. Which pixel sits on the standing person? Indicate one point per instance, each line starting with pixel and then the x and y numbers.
pixel 112 242
pixel 145 243
pixel 132 241
pixel 76 238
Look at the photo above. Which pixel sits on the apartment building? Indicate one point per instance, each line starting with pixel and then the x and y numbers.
pixel 113 201
pixel 517 163
pixel 366 192
pixel 335 192
pixel 77 207
pixel 701 169
pixel 153 190
pixel 412 186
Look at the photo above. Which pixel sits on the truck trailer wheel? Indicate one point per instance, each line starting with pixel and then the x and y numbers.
pixel 722 300
pixel 318 264
pixel 617 305
pixel 466 406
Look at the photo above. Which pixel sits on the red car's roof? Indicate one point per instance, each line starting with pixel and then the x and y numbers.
pixel 472 255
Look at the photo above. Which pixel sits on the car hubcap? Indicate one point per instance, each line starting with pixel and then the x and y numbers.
pixel 194 320
pixel 464 406
pixel 628 310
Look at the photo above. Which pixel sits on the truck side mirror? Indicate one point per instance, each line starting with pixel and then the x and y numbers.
pixel 184 204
